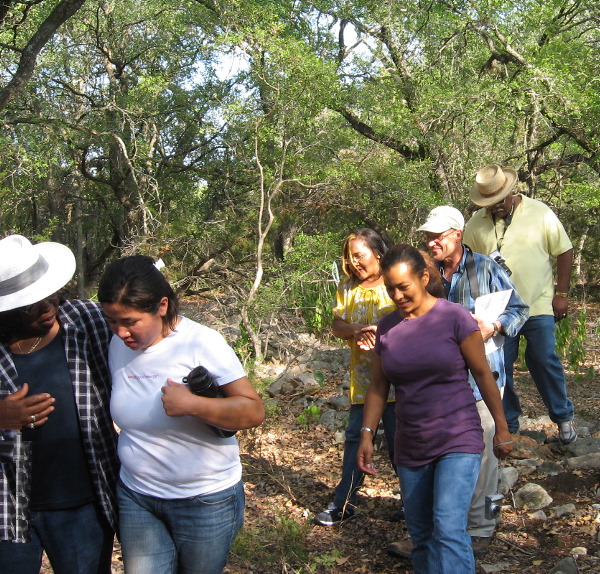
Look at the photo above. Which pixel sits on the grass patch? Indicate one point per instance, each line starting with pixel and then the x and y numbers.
pixel 277 544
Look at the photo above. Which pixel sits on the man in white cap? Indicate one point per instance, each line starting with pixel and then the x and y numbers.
pixel 57 441
pixel 526 234
pixel 466 276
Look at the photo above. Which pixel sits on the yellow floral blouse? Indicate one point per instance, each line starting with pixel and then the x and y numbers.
pixel 356 304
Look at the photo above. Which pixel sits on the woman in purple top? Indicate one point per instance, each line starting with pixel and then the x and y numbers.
pixel 424 349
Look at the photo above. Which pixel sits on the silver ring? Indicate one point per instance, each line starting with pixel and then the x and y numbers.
pixel 31 426
pixel 32 418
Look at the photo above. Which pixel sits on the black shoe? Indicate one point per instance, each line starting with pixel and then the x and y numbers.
pixel 398 515
pixel 333 515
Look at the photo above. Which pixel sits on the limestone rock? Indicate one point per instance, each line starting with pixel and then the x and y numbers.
pixel 532 496
pixel 584 445
pixel 507 479
pixel 565 566
pixel 591 460
pixel 339 402
pixel 550 468
pixel 564 509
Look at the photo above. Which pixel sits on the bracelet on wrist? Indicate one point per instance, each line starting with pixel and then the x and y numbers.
pixel 368 430
pixel 563 294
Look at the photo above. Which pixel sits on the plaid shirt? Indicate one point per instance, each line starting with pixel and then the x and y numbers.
pixel 490 278
pixel 86 338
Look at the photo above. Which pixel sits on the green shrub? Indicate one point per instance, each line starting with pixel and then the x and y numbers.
pixel 570 340
pixel 302 282
pixel 308 417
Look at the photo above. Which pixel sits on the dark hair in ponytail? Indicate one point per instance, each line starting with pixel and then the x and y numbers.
pixel 418 261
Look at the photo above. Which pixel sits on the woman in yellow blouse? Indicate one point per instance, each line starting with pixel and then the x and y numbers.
pixel 361 300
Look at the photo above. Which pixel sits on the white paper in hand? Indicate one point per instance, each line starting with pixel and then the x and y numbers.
pixel 489 307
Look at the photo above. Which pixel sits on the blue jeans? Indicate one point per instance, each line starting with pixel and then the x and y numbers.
pixel 545 368
pixel 76 541
pixel 352 477
pixel 436 498
pixel 183 536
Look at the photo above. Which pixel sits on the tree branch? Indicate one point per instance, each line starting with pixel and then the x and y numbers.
pixel 61 13
pixel 392 143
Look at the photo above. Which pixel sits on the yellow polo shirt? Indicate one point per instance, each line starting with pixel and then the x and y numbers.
pixel 533 237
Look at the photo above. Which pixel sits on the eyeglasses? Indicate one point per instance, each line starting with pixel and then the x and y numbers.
pixel 430 239
pixel 40 307
pixel 355 259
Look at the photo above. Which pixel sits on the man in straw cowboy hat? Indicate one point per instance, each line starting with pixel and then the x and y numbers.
pixel 57 442
pixel 525 234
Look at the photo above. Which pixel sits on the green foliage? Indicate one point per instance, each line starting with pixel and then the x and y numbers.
pixel 302 282
pixel 319 377
pixel 272 411
pixel 243 349
pixel 273 545
pixel 307 270
pixel 144 122
pixel 570 340
pixel 329 559
pixel 521 352
pixel 308 417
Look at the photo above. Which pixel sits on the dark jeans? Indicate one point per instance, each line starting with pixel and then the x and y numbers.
pixel 545 368
pixel 352 477
pixel 76 541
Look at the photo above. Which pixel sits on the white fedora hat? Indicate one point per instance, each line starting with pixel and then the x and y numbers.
pixel 30 273
pixel 492 184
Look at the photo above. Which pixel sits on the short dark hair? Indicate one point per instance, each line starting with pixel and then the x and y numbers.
pixel 373 241
pixel 418 261
pixel 135 282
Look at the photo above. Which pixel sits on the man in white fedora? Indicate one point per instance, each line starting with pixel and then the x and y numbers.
pixel 524 234
pixel 466 276
pixel 57 441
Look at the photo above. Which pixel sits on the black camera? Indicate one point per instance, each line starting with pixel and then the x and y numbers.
pixel 497 257
pixel 203 384
pixel 493 506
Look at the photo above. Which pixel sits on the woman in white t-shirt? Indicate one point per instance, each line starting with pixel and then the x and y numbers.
pixel 181 499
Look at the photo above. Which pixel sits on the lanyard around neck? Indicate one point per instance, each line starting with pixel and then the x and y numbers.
pixel 507 222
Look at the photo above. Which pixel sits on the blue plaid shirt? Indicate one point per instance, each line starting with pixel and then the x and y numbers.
pixel 491 278
pixel 86 338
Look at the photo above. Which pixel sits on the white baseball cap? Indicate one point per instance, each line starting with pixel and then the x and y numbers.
pixel 442 218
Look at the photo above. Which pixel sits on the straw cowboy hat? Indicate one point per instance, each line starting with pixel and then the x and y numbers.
pixel 30 273
pixel 492 184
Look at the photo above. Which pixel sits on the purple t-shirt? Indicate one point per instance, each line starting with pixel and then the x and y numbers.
pixel 435 408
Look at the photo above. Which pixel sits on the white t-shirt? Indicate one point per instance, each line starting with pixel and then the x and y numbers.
pixel 163 456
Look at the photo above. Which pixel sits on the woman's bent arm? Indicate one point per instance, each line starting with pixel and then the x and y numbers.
pixel 474 354
pixel 241 408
